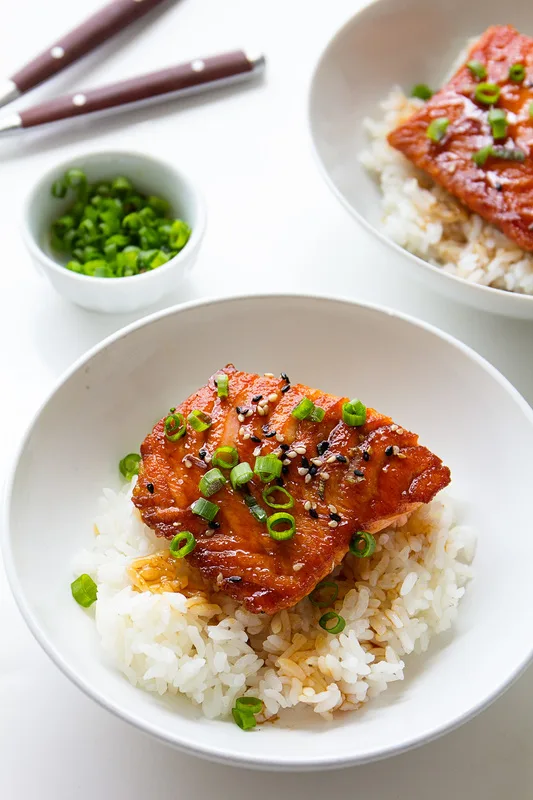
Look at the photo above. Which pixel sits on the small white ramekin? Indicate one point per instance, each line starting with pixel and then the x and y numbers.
pixel 115 295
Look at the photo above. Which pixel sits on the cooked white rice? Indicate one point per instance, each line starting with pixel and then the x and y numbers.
pixel 212 650
pixel 429 222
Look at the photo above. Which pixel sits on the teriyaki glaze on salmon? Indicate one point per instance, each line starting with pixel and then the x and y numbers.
pixel 264 485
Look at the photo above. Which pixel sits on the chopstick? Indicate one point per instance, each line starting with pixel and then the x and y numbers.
pixel 69 48
pixel 188 78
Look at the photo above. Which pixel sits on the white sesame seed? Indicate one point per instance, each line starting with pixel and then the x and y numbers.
pixel 175 524
pixel 262 402
pixel 394 427
pixel 324 476
pixel 269 375
pixel 317 462
pixel 188 463
pixel 208 458
pixel 395 449
pixel 400 430
pixel 261 411
pixel 208 533
pixel 332 523
pixel 307 478
pixel 297 567
pixel 331 459
pixel 241 417
pixel 273 398
pixel 332 509
pixel 286 462
pixel 291 454
pixel 279 437
pixel 246 436
pixel 257 451
pixel 241 431
pixel 301 450
pixel 307 505
pixel 249 413
pixel 302 471
pixel 313 505
pixel 402 455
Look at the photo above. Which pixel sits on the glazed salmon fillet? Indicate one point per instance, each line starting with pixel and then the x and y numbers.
pixel 501 189
pixel 343 479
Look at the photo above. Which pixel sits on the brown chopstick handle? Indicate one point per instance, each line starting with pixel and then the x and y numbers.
pixel 86 37
pixel 193 75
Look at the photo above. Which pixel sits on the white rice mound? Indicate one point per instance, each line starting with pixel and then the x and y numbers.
pixel 212 650
pixel 429 222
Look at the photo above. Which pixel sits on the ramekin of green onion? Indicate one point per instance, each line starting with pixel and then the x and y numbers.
pixel 114 231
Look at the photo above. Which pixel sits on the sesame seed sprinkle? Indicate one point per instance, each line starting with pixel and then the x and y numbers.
pixel 388 450
pixel 313 513
pixel 308 478
pixel 284 447
pixel 202 453
pixel 301 450
pixel 284 469
pixel 269 375
pixel 241 417
pixel 257 398
pixel 286 462
pixel 279 437
pixel 150 487
pixel 297 567
pixel 332 508
pixel 302 471
pixel 242 431
pixel 335 517
pixel 395 449
pixel 249 413
pixel 175 524
pixel 333 523
pixel 324 476
pixel 291 454
pixel 317 462
pixel 307 505
pixel 305 462
pixel 313 470
pixel 322 447
pixel 285 377
pixel 331 459
pixel 286 388
pixel 257 451
pixel 270 435
pixel 255 439
pixel 187 463
pixel 273 398
pixel 341 459
pixel 366 456
pixel 246 436
pixel 359 473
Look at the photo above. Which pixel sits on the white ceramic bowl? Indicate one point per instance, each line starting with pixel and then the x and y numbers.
pixel 461 407
pixel 393 42
pixel 115 295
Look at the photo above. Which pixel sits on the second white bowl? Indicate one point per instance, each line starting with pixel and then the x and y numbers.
pixel 115 295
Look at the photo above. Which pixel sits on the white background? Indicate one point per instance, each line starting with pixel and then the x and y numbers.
pixel 273 225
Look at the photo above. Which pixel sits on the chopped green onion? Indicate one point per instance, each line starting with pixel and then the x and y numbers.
pixel 329 616
pixel 281 518
pixel 84 590
pixel 517 73
pixel 437 128
pixel 129 465
pixel 199 421
pixel 354 413
pixel 180 550
pixel 324 594
pixel 279 490
pixel 241 474
pixel 365 539
pixel 59 188
pixel 303 409
pixel 422 91
pixel 204 508
pixel 477 69
pixel 508 153
pixel 487 93
pixel 225 457
pixel 480 156
pixel 267 467
pixel 498 123
pixel 76 179
pixel 211 482
pixel 317 414
pixel 244 720
pixel 249 705
pixel 222 384
pixel 255 509
pixel 175 427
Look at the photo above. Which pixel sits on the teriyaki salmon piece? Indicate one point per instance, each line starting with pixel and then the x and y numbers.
pixel 474 137
pixel 331 468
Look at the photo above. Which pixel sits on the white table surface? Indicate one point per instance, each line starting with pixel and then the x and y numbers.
pixel 272 225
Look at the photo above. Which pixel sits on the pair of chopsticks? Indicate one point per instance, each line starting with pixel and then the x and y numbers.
pixel 187 78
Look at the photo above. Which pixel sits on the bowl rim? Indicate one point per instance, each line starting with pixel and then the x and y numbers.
pixel 35 249
pixel 218 753
pixel 519 299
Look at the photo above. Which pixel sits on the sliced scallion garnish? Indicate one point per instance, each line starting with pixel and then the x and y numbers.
pixel 244 720
pixel 84 590
pixel 280 490
pixel 222 384
pixel 255 509
pixel 362 544
pixel 182 544
pixel 211 482
pixel 517 73
pixel 199 420
pixel 129 465
pixel 480 156
pixel 267 467
pixel 487 93
pixel 324 594
pixel 250 705
pixel 317 414
pixel 205 509
pixel 354 413
pixel 174 427
pixel 436 130
pixel 339 623
pixel 498 122
pixel 422 91
pixel 477 69
pixel 225 457
pixel 508 153
pixel 303 409
pixel 284 519
pixel 241 474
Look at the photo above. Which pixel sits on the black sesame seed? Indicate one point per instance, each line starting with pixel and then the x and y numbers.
pixel 234 579
pixel 265 428
pixel 389 451
pixel 285 377
pixel 285 469
pixel 270 435
pixel 284 447
pixel 342 459
pixel 202 454
pixel 257 398
pixel 280 482
pixel 366 456
pixel 255 439
pixel 335 517
pixel 239 410
pixel 498 186
pixel 313 470
pixel 150 487
pixel 322 447
pixel 305 462
pixel 285 388
pixel 214 525
pixel 313 513
pixel 359 473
